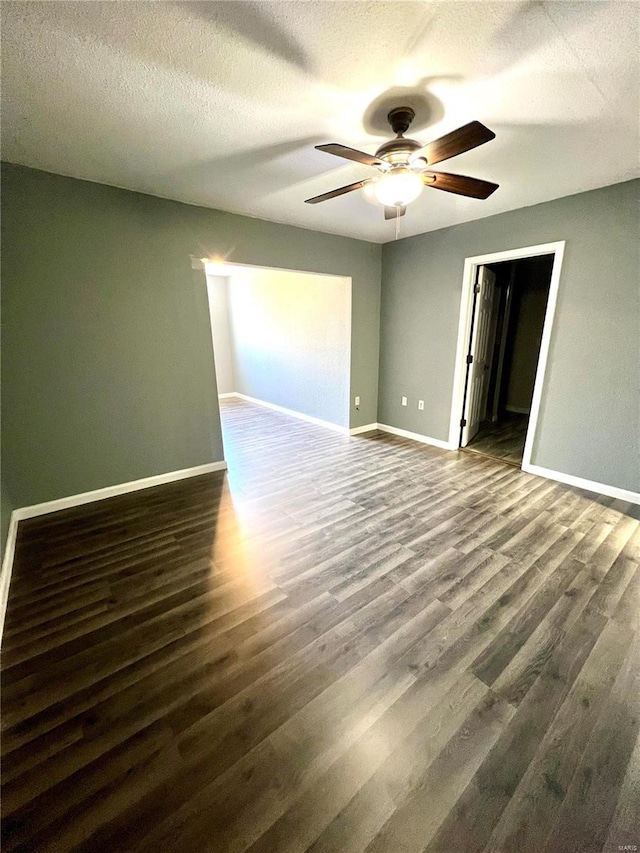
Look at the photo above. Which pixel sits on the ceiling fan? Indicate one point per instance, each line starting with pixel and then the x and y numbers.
pixel 404 165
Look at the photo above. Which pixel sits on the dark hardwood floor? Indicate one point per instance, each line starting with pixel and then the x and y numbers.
pixel 348 644
pixel 503 439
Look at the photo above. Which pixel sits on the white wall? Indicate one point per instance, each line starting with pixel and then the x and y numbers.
pixel 291 340
pixel 217 290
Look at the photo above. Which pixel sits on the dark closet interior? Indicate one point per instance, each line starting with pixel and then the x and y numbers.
pixel 522 292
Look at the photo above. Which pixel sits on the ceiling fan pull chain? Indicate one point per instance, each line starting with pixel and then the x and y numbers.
pixel 397 221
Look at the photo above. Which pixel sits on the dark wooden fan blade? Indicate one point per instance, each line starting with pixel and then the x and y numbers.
pixel 340 191
pixel 352 154
pixel 454 143
pixel 392 212
pixel 459 184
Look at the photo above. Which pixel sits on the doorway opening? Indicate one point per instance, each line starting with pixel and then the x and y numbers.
pixel 282 339
pixel 504 335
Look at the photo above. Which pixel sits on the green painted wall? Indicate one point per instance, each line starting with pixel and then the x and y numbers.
pixel 107 363
pixel 589 420
pixel 107 366
pixel 6 508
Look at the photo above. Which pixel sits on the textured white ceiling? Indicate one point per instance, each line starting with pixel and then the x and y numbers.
pixel 221 103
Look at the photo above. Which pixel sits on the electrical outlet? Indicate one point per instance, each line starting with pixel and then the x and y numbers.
pixel 404 401
pixel 357 401
pixel 421 405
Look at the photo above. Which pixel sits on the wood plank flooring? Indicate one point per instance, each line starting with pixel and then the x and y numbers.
pixel 503 439
pixel 348 644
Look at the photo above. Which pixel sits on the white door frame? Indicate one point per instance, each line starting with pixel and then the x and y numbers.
pixel 464 331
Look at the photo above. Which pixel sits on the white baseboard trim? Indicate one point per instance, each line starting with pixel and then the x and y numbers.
pixel 589 485
pixel 7 568
pixel 365 428
pixel 226 395
pixel 78 500
pixel 416 436
pixel 119 489
pixel 309 418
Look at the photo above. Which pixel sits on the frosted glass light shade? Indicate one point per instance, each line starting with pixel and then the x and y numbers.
pixel 399 187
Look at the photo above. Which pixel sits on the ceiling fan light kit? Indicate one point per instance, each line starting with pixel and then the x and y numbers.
pixel 398 187
pixel 402 165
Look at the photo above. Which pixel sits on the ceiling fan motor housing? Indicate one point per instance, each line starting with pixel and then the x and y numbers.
pixel 399 150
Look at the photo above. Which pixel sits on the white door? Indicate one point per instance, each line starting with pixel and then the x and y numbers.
pixel 504 331
pixel 482 341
